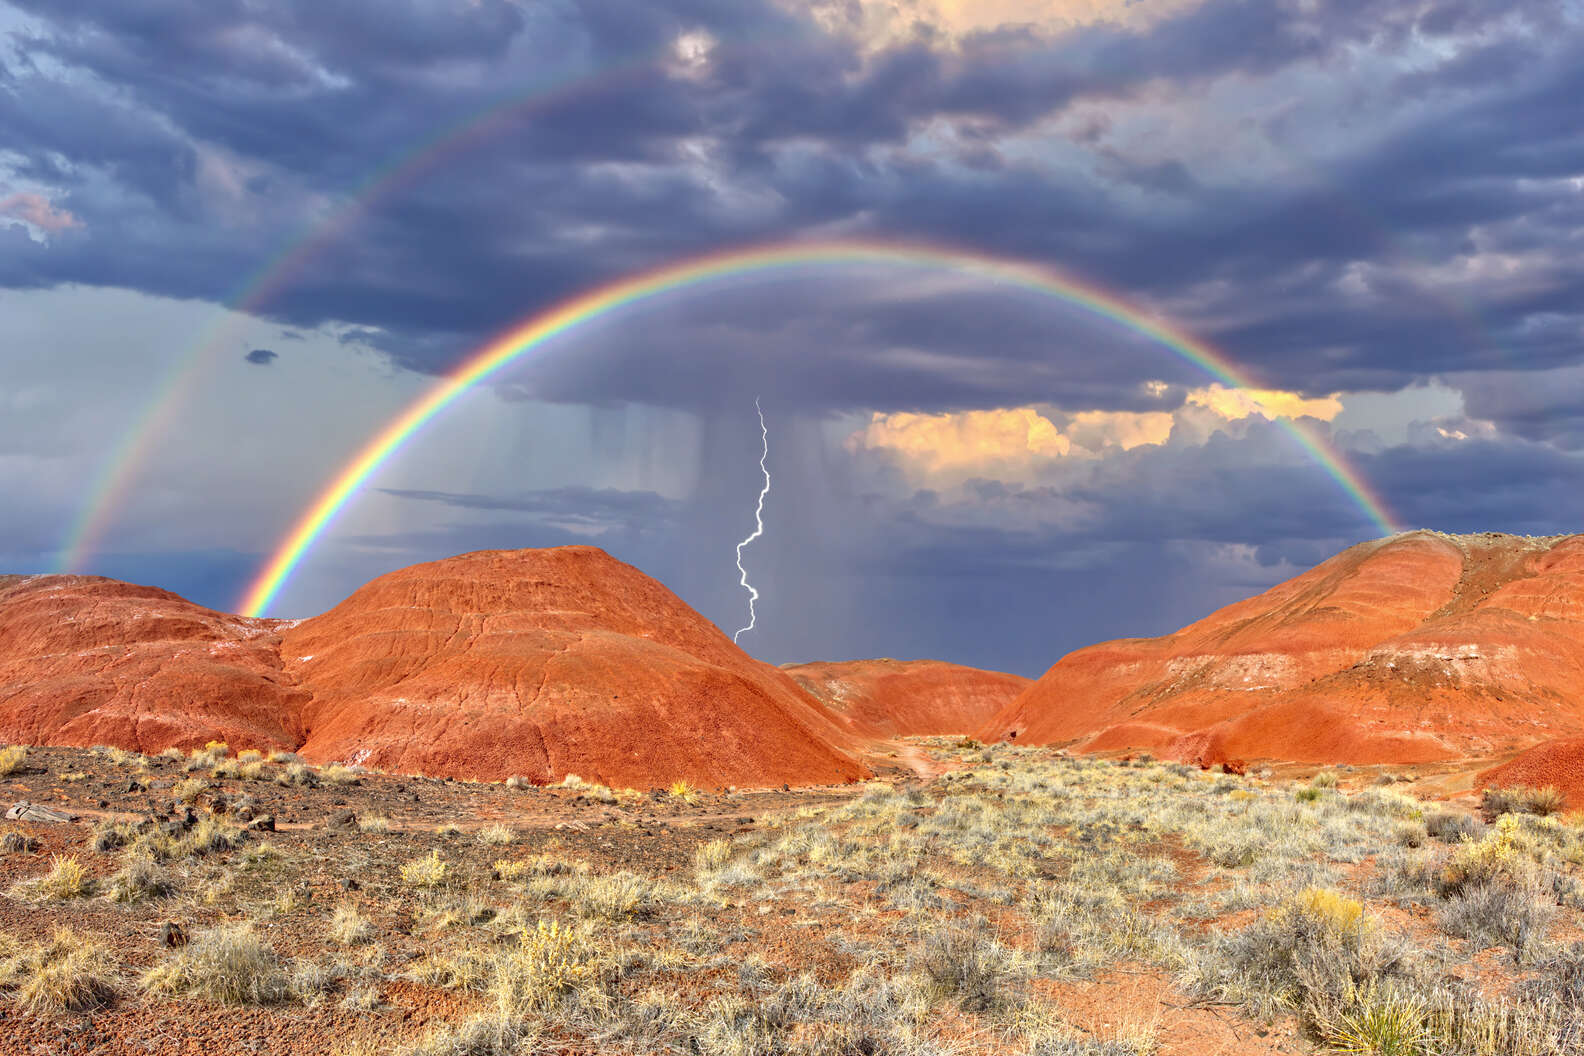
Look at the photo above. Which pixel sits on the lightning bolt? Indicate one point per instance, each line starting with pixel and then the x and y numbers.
pixel 753 595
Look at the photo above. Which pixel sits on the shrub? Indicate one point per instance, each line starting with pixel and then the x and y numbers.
pixel 1494 913
pixel 966 964
pixel 1522 800
pixel 252 755
pixel 1314 953
pixel 426 872
pixel 336 774
pixel 709 857
pixel 1382 1023
pixel 16 841
pixel 348 928
pixel 189 790
pixel 683 791
pixel 1452 826
pixel 12 759
pixel 298 774
pixel 1500 854
pixel 548 964
pixel 138 880
pixel 496 835
pixel 229 965
pixel 67 879
pixel 373 825
pixel 615 897
pixel 1308 795
pixel 1324 779
pixel 66 974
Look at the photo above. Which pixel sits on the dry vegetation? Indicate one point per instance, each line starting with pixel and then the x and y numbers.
pixel 957 915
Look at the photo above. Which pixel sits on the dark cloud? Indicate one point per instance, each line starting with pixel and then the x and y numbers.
pixel 1336 195
pixel 262 356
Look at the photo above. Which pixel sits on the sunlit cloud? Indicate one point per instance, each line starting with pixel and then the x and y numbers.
pixel 1020 443
pixel 38 211
pixel 1235 404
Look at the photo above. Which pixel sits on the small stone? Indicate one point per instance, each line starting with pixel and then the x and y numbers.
pixel 171 935
pixel 342 821
pixel 349 884
pixel 262 823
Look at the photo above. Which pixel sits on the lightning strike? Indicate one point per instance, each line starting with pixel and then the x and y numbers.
pixel 753 595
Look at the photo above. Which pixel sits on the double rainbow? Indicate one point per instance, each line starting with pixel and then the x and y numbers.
pixel 736 264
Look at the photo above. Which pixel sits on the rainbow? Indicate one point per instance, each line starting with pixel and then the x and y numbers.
pixel 732 264
pixel 113 482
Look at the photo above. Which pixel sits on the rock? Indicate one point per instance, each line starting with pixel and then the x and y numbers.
pixel 262 823
pixel 348 884
pixel 896 698
pixel 342 821
pixel 171 935
pixel 245 808
pixel 1416 648
pixel 218 804
pixel 45 815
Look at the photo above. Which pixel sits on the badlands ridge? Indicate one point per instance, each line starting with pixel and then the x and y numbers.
pixel 1418 648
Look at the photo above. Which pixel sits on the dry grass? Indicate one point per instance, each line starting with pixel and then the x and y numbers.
pixel 66 880
pixel 69 973
pixel 12 759
pixel 229 965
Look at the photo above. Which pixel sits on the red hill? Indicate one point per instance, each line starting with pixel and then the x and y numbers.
pixel 549 662
pixel 1409 649
pixel 891 698
pixel 87 661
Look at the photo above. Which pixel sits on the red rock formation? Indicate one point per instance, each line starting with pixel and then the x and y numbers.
pixel 1409 649
pixel 87 661
pixel 549 662
pixel 892 698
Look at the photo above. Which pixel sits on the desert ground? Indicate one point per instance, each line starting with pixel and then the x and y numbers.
pixel 978 899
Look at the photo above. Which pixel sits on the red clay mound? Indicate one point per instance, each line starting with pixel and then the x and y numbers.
pixel 87 661
pixel 549 662
pixel 1409 649
pixel 892 698
pixel 1558 763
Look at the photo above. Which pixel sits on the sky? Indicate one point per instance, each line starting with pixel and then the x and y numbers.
pixel 237 239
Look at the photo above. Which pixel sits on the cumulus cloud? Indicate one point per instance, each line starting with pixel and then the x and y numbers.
pixel 1022 443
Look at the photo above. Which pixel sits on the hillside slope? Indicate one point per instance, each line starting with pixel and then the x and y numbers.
pixel 549 662
pixel 1408 649
pixel 86 661
pixel 893 698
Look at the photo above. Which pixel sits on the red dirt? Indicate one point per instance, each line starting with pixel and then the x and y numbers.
pixel 899 698
pixel 538 663
pixel 87 661
pixel 1411 649
pixel 549 662
pixel 1559 763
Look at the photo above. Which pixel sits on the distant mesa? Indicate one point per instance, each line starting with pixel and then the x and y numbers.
pixel 1415 648
pixel 897 698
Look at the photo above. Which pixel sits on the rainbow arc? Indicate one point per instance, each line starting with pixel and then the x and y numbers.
pixel 535 332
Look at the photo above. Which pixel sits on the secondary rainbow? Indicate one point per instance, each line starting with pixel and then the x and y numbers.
pixel 113 483
pixel 736 264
